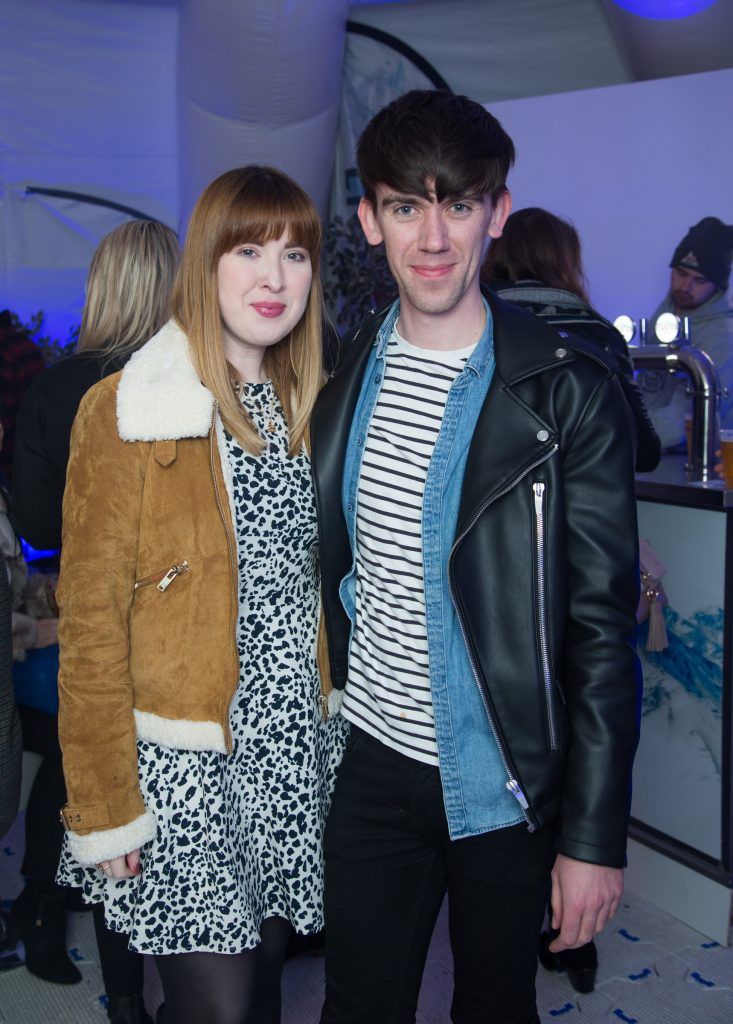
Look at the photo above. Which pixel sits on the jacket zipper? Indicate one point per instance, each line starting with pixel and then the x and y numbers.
pixel 512 784
pixel 165 578
pixel 232 562
pixel 539 514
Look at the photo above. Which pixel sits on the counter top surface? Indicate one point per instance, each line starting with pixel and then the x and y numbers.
pixel 669 483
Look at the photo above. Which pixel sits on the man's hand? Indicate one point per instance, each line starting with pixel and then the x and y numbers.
pixel 584 898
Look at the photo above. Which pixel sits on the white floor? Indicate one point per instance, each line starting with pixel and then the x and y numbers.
pixel 653 970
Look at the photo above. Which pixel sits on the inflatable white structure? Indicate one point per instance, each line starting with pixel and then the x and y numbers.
pixel 117 108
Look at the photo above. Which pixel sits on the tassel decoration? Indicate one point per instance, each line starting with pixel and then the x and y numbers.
pixel 657 638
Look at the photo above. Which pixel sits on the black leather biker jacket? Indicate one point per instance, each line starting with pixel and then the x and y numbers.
pixel 543 570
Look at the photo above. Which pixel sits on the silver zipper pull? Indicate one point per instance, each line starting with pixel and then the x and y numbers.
pixel 174 571
pixel 539 490
pixel 514 788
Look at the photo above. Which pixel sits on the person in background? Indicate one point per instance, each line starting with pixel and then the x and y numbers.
pixel 699 290
pixel 127 295
pixel 20 362
pixel 198 754
pixel 471 473
pixel 537 265
pixel 11 740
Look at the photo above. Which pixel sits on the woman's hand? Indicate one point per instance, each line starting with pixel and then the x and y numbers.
pixel 48 632
pixel 25 634
pixel 126 866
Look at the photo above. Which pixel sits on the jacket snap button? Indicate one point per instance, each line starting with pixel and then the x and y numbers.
pixel 561 353
pixel 78 817
pixel 542 435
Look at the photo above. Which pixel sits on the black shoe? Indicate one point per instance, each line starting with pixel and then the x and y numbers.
pixel 580 964
pixel 8 933
pixel 39 914
pixel 160 1015
pixel 128 1010
pixel 8 941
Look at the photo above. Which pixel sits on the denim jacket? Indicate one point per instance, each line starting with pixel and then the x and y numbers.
pixel 473 776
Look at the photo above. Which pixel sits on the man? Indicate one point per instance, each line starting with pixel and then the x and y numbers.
pixel 698 290
pixel 474 479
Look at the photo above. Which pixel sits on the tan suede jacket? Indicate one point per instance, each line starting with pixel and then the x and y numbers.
pixel 148 591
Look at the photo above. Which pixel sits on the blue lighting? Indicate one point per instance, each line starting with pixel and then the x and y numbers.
pixel 664 10
pixel 32 555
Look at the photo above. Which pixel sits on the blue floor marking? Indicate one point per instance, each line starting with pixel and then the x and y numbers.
pixel 702 981
pixel 642 974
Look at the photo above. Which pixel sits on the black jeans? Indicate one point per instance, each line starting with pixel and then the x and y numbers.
pixel 389 863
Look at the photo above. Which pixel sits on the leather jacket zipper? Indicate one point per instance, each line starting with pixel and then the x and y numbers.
pixel 512 783
pixel 539 519
pixel 232 563
pixel 164 578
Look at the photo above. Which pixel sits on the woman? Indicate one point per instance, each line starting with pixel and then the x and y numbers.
pixel 537 264
pixel 198 761
pixel 127 294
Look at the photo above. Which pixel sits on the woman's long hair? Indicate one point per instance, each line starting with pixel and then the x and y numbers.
pixel 128 289
pixel 258 205
pixel 538 246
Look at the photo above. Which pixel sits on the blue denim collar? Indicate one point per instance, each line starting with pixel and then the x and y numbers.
pixel 480 360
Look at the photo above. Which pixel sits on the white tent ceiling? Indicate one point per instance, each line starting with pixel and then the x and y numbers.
pixel 506 49
pixel 142 102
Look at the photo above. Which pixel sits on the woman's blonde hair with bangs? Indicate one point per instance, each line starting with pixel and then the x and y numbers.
pixel 128 287
pixel 251 204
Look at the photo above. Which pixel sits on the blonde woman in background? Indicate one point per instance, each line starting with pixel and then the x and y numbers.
pixel 198 751
pixel 127 296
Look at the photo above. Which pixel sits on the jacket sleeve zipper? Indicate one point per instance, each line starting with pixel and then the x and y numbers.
pixel 163 579
pixel 539 513
pixel 512 783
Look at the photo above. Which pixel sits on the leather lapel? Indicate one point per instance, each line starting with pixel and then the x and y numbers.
pixel 505 443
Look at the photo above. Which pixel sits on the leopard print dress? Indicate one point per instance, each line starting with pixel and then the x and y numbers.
pixel 239 838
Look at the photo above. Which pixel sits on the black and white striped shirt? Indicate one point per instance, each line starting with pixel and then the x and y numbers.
pixel 388 692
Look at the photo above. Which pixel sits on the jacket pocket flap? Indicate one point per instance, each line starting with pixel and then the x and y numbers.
pixel 165 452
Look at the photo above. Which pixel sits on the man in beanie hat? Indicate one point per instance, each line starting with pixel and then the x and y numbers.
pixel 698 289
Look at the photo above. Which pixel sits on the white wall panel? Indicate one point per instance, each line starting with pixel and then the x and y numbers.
pixel 633 166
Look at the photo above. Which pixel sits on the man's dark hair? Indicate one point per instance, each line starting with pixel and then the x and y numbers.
pixel 434 135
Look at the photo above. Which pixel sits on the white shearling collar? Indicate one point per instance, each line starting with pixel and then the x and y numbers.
pixel 159 396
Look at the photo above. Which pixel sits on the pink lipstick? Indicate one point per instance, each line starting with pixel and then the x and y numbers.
pixel 269 309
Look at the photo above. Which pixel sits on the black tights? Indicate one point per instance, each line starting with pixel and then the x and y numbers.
pixel 122 970
pixel 221 988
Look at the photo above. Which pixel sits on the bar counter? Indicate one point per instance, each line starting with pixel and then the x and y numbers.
pixel 681 853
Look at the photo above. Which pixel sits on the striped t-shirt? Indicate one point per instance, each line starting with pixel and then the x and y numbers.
pixel 388 691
